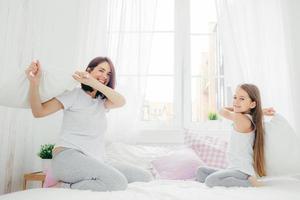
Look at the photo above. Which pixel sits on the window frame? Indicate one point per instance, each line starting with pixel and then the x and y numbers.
pixel 182 86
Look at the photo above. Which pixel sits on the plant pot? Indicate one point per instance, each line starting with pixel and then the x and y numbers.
pixel 46 165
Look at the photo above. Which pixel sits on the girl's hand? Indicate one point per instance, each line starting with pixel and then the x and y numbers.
pixel 33 72
pixel 269 111
pixel 85 78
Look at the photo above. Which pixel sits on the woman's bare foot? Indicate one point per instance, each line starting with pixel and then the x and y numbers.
pixel 254 182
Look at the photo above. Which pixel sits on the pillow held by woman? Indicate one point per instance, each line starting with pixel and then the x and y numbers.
pixel 14 89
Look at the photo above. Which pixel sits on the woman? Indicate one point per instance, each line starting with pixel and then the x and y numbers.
pixel 79 154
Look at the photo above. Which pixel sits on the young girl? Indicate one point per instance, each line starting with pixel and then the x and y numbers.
pixel 246 146
pixel 79 154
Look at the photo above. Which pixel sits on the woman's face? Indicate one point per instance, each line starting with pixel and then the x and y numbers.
pixel 102 73
pixel 242 103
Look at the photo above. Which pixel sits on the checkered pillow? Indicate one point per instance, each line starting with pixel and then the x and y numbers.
pixel 211 150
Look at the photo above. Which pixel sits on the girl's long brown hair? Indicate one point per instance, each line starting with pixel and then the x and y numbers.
pixel 257 114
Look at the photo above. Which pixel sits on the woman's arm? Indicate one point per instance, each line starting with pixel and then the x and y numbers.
pixel 39 109
pixel 114 99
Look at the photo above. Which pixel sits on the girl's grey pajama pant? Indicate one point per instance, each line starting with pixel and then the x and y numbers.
pixel 226 177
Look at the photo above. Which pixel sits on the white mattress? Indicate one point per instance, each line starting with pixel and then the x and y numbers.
pixel 280 188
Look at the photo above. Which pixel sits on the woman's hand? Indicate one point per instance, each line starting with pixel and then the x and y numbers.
pixel 269 111
pixel 85 78
pixel 33 72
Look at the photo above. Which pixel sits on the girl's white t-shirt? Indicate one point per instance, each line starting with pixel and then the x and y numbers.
pixel 84 123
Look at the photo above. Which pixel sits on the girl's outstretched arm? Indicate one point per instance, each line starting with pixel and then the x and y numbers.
pixel 227 112
pixel 241 122
pixel 269 111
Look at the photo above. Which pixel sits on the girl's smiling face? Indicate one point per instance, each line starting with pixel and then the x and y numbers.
pixel 242 103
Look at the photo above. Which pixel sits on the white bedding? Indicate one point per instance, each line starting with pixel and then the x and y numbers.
pixel 281 188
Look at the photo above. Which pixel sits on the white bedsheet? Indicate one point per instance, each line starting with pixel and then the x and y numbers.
pixel 281 188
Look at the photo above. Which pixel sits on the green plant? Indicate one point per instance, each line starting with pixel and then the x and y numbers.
pixel 212 116
pixel 46 151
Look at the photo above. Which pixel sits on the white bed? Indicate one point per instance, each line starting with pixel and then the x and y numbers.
pixel 281 188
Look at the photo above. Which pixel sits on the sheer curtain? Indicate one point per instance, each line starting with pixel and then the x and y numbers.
pixel 253 39
pixel 291 17
pixel 68 34
pixel 59 34
pixel 130 30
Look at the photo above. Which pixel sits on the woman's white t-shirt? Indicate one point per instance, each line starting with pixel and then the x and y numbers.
pixel 84 123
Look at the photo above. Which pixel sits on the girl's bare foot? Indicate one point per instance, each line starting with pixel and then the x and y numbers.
pixel 254 182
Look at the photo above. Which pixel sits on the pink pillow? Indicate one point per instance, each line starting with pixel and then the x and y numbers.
pixel 212 150
pixel 49 179
pixel 180 165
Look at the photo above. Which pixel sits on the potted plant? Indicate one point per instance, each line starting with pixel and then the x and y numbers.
pixel 213 121
pixel 213 116
pixel 45 154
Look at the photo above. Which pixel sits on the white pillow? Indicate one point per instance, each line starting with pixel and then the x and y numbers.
pixel 139 155
pixel 179 165
pixel 14 90
pixel 282 147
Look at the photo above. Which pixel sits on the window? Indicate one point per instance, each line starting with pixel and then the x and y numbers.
pixel 159 94
pixel 206 76
pixel 184 80
pixel 204 91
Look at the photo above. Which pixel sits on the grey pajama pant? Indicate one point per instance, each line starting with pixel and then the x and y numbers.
pixel 82 172
pixel 227 178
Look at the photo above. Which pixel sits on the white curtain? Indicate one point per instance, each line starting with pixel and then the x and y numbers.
pixel 61 34
pixel 291 16
pixel 130 31
pixel 255 49
pixel 68 34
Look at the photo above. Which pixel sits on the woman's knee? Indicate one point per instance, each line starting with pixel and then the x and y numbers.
pixel 143 176
pixel 117 186
pixel 133 173
pixel 116 182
